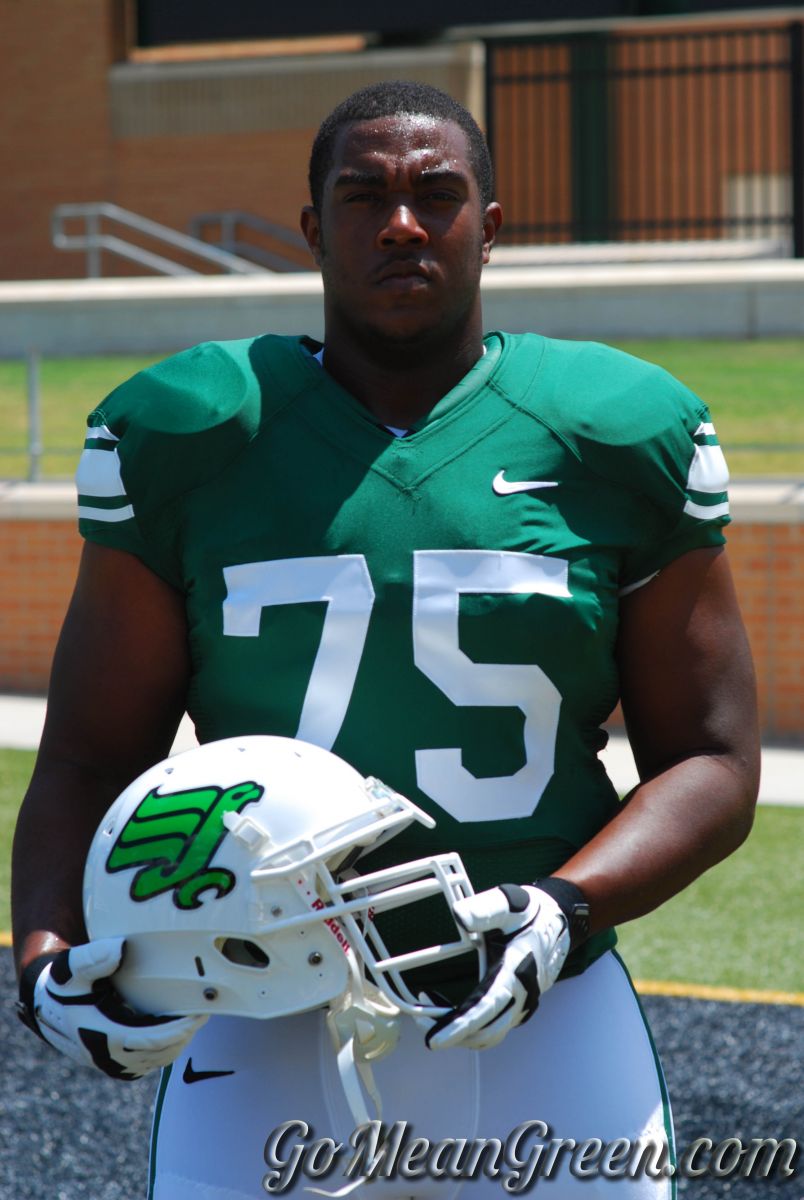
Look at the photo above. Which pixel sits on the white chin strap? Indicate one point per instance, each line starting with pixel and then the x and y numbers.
pixel 364 1026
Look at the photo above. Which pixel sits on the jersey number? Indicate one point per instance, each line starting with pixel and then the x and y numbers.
pixel 440 577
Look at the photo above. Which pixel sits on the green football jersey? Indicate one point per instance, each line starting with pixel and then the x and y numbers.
pixel 441 609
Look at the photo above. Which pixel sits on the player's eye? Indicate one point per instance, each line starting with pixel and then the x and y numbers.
pixel 361 197
pixel 440 198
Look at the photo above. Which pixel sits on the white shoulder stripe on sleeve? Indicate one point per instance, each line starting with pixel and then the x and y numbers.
pixel 706 512
pixel 708 470
pixel 705 429
pixel 105 514
pixel 98 474
pixel 103 433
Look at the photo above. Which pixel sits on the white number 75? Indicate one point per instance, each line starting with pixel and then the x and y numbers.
pixel 440 577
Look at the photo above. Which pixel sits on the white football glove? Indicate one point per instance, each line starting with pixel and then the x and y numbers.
pixel 73 1005
pixel 527 940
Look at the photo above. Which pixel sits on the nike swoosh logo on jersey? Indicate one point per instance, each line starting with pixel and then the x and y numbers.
pixel 504 487
pixel 192 1076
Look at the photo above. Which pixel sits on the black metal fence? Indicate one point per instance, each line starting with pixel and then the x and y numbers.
pixel 626 136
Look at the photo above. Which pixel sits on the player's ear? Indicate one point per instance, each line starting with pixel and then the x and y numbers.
pixel 311 228
pixel 492 220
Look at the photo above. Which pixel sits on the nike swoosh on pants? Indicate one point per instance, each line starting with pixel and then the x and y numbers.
pixel 192 1076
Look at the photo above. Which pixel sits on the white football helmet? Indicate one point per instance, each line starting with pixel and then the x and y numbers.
pixel 226 868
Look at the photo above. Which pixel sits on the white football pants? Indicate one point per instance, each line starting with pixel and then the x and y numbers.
pixel 582 1068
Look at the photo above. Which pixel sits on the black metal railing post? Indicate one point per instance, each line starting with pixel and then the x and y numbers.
pixel 797 134
pixel 590 138
pixel 490 97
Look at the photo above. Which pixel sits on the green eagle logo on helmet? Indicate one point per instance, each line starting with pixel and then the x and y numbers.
pixel 172 838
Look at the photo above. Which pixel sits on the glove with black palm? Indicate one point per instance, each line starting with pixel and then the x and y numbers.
pixel 70 1001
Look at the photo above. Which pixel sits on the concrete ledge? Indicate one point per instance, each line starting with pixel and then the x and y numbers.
pixel 761 501
pixel 21 501
pixel 603 301
pixel 144 316
pixel 767 501
pixel 649 300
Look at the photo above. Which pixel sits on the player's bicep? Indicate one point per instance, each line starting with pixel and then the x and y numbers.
pixel 687 680
pixel 121 668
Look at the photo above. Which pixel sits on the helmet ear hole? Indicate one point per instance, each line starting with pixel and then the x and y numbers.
pixel 243 952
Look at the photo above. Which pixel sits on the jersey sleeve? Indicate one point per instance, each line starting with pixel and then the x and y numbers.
pixel 157 436
pixel 105 511
pixel 684 478
pixel 648 436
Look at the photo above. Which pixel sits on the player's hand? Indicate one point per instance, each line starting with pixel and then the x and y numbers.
pixel 72 1004
pixel 527 941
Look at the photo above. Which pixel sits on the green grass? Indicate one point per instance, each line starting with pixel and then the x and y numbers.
pixel 753 389
pixel 70 389
pixel 15 771
pixel 737 926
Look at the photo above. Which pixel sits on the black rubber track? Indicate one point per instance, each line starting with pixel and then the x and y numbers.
pixel 734 1070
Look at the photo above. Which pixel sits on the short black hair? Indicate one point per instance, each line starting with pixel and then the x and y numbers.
pixel 389 100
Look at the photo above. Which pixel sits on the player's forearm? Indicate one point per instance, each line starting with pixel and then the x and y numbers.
pixel 671 830
pixel 58 818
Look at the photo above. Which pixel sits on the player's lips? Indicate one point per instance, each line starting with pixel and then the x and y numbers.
pixel 403 269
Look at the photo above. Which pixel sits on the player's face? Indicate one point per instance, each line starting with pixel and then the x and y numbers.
pixel 401 236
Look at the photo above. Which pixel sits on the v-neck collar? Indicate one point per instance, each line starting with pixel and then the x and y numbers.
pixel 335 414
pixel 465 388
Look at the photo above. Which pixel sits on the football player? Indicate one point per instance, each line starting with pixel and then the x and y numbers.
pixel 445 556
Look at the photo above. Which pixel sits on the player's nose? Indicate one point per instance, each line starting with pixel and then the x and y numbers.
pixel 402 227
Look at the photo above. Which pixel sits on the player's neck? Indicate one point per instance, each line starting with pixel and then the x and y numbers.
pixel 401 384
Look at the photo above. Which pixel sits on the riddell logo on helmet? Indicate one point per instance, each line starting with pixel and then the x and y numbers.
pixel 333 926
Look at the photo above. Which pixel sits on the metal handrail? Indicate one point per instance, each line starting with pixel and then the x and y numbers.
pixel 230 220
pixel 93 240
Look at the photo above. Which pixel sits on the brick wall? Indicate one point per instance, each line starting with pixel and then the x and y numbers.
pixel 171 178
pixel 768 563
pixel 39 558
pixel 55 137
